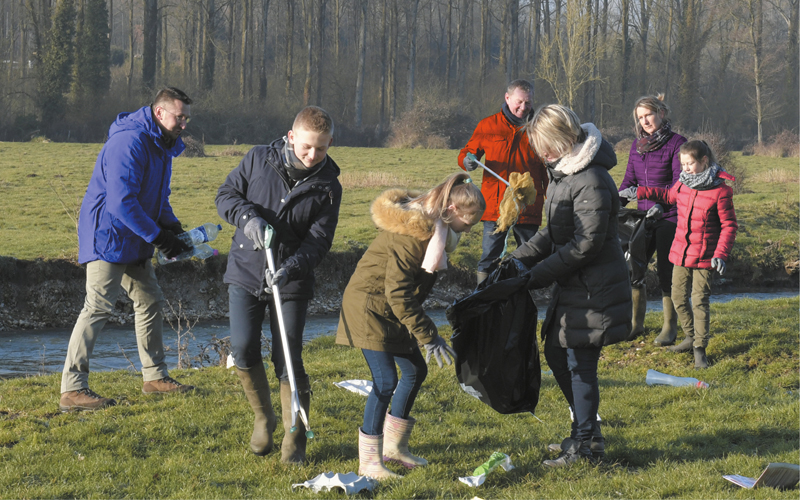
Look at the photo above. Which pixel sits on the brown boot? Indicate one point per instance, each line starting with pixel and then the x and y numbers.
pixel 256 388
pixel 293 448
pixel 83 399
pixel 669 332
pixel 165 385
pixel 639 296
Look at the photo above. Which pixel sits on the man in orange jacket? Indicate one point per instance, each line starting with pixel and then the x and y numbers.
pixel 500 137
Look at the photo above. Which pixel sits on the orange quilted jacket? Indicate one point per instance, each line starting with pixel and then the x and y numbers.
pixel 507 150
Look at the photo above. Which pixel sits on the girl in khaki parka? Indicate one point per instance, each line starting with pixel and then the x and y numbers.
pixel 382 309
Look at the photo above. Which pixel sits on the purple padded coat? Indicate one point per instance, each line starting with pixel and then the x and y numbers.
pixel 660 168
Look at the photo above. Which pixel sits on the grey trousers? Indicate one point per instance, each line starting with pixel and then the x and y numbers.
pixel 103 283
pixel 695 315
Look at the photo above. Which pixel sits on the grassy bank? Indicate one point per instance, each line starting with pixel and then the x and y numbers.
pixel 661 441
pixel 41 186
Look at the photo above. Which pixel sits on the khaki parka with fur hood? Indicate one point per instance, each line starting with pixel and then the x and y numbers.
pixel 382 304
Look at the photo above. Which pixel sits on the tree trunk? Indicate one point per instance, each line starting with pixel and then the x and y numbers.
pixel 394 47
pixel 362 62
pixel 319 54
pixel 382 85
pixel 262 74
pixel 246 11
pixel 756 31
pixel 625 56
pixel 289 45
pixel 411 21
pixel 209 48
pixel 150 38
pixel 792 64
pixel 486 27
pixel 131 41
pixel 308 16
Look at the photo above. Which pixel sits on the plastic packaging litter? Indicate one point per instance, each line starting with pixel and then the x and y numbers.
pixel 350 483
pixel 654 377
pixel 195 239
pixel 497 459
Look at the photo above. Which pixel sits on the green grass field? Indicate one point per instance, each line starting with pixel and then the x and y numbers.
pixel 662 442
pixel 42 184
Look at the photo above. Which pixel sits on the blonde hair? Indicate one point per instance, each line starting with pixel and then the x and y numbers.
pixel 697 150
pixel 654 103
pixel 554 129
pixel 314 119
pixel 457 190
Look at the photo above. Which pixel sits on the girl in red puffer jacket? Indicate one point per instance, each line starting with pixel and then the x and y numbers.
pixel 703 240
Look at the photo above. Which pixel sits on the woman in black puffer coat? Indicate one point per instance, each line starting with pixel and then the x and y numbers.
pixel 580 252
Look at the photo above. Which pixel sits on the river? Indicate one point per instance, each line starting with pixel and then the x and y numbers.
pixel 36 352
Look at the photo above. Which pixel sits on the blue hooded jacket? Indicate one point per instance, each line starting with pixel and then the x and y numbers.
pixel 128 194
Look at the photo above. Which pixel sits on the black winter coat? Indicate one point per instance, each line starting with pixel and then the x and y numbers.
pixel 580 250
pixel 304 218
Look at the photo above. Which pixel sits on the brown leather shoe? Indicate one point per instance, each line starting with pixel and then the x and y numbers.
pixel 165 385
pixel 83 399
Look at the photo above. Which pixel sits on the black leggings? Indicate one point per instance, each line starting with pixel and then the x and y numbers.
pixel 660 243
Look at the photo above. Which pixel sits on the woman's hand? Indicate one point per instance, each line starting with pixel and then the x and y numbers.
pixel 439 348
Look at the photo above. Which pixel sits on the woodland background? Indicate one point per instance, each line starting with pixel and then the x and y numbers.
pixel 400 73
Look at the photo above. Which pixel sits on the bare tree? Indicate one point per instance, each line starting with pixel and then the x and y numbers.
pixel 362 62
pixel 150 38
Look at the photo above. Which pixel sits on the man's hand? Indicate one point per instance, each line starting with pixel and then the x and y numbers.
pixel 256 230
pixel 718 265
pixel 279 279
pixel 169 244
pixel 470 162
pixel 439 348
pixel 655 212
pixel 628 193
pixel 176 228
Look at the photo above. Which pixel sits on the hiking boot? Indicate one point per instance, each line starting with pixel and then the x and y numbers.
pixel 684 346
pixel 597 447
pixel 572 450
pixel 165 385
pixel 83 399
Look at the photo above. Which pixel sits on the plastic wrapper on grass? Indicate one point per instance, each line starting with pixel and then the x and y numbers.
pixel 349 483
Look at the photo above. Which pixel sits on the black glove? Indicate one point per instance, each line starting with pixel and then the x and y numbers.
pixel 470 162
pixel 533 282
pixel 169 244
pixel 256 231
pixel 176 228
pixel 279 279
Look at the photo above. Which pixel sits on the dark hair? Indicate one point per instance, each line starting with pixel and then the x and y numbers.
pixel 168 94
pixel 697 149
pixel 523 85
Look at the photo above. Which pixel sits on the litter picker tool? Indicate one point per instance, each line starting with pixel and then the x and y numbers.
pixel 276 296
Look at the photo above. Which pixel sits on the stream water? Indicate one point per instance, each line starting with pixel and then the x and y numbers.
pixel 36 352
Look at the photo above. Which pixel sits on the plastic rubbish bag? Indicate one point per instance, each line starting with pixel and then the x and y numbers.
pixel 494 336
pixel 633 231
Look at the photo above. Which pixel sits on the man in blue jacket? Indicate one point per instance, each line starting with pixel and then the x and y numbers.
pixel 292 185
pixel 124 214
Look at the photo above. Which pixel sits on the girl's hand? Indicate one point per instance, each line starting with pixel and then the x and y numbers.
pixel 439 348
pixel 719 265
pixel 628 193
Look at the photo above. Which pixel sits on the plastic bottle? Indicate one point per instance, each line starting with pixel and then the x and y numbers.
pixel 654 377
pixel 201 251
pixel 195 237
pixel 491 464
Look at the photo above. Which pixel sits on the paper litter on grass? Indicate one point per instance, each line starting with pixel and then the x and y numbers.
pixel 776 475
pixel 475 481
pixel 363 387
pixel 350 483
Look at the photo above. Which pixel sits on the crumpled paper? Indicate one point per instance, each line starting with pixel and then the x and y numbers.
pixel 350 483
pixel 475 481
pixel 363 387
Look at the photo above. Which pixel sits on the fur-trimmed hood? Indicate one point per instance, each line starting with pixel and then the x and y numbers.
pixel 582 153
pixel 392 212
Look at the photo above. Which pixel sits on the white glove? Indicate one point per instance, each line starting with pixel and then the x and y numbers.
pixel 628 193
pixel 718 265
pixel 655 212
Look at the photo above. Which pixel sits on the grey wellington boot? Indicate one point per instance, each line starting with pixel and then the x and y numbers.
pixel 639 295
pixel 669 332
pixel 700 360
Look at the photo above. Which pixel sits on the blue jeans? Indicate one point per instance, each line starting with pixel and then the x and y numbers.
pixel 247 315
pixel 385 384
pixel 492 245
pixel 575 371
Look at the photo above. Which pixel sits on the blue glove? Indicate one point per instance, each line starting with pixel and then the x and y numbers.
pixel 470 162
pixel 628 193
pixel 439 348
pixel 718 265
pixel 655 212
pixel 279 279
pixel 256 230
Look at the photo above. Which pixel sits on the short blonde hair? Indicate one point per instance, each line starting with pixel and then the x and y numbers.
pixel 314 119
pixel 554 129
pixel 654 103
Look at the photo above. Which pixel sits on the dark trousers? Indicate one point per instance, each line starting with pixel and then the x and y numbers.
pixel 660 243
pixel 247 316
pixel 575 371
pixel 386 388
pixel 492 244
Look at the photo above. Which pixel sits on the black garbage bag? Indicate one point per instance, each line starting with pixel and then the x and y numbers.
pixel 634 231
pixel 494 337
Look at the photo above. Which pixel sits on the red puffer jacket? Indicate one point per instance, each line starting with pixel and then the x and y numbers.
pixel 706 222
pixel 507 150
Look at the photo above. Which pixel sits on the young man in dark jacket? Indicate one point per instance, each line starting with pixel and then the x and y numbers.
pixel 124 214
pixel 291 185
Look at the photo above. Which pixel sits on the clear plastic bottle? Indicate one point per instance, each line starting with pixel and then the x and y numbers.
pixel 194 238
pixel 653 377
pixel 201 251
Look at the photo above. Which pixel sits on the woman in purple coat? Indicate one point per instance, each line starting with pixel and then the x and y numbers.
pixel 654 161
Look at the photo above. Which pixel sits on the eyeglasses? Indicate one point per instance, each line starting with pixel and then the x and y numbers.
pixel 181 118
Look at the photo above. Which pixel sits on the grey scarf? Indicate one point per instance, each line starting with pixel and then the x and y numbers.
pixel 707 179
pixel 295 168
